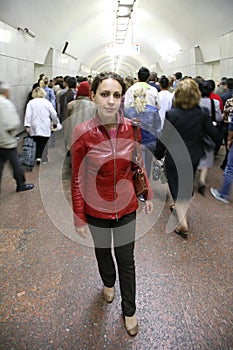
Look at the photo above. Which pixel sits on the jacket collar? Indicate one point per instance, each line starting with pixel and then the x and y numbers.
pixel 98 123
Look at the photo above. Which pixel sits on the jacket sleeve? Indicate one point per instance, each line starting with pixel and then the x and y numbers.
pixel 11 118
pixel 135 166
pixel 52 98
pixel 157 124
pixel 218 112
pixel 53 113
pixel 160 146
pixel 78 179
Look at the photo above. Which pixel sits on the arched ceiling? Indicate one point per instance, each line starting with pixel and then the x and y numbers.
pixel 160 27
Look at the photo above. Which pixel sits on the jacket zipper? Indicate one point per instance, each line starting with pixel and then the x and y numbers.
pixel 114 162
pixel 114 165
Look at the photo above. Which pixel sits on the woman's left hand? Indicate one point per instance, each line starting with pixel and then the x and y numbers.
pixel 148 207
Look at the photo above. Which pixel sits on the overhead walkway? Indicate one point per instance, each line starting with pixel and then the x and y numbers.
pixel 50 287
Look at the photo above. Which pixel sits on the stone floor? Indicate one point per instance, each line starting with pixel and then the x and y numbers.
pixel 50 287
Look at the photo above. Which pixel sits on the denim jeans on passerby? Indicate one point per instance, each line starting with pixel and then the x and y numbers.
pixel 147 159
pixel 228 176
pixel 147 156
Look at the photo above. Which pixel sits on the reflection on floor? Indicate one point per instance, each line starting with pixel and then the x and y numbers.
pixel 50 288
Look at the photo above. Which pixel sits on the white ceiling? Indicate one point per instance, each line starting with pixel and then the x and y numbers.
pixel 157 25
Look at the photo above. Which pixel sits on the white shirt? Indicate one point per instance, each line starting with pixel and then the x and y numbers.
pixel 40 113
pixel 152 95
pixel 166 104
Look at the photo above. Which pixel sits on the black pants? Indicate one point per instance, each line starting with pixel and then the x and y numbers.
pixel 123 233
pixel 41 147
pixel 225 137
pixel 12 156
pixel 182 186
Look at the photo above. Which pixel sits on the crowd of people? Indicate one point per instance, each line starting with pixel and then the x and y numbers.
pixel 98 115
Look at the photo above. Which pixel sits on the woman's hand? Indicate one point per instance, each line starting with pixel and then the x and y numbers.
pixel 81 231
pixel 28 129
pixel 229 143
pixel 148 207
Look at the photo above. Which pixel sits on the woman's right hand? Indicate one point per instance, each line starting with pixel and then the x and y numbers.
pixel 81 231
pixel 148 207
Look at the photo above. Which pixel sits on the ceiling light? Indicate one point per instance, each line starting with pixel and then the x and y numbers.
pixel 126 2
pixel 122 27
pixel 120 35
pixel 124 11
pixel 121 31
pixel 122 20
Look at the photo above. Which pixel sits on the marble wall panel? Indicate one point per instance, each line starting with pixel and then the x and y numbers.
pixel 3 73
pixel 12 70
pixel 3 38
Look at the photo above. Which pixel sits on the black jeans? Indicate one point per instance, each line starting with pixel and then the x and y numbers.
pixel 11 155
pixel 123 233
pixel 225 137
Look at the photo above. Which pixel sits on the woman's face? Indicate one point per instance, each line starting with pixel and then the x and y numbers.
pixel 108 100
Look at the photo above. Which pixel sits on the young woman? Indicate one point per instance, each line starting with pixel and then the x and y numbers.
pixel 213 107
pixel 102 190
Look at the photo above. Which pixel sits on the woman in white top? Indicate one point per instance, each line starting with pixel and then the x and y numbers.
pixel 213 106
pixel 38 117
pixel 166 98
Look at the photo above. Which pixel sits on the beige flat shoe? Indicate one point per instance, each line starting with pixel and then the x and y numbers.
pixel 172 207
pixel 108 294
pixel 131 325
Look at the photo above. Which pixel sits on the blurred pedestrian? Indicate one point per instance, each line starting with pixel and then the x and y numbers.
pixel 10 123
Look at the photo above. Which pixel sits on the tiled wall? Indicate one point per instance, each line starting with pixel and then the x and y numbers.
pixel 20 68
pixel 191 63
pixel 226 53
pixel 212 64
pixel 16 64
pixel 57 63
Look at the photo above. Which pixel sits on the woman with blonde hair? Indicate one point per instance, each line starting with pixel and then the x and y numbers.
pixel 181 139
pixel 150 124
pixel 38 117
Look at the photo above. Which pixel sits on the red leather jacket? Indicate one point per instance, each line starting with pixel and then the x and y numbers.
pixel 102 171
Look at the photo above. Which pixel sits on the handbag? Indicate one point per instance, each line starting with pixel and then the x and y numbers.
pixel 28 152
pixel 218 125
pixel 58 127
pixel 207 141
pixel 158 171
pixel 139 178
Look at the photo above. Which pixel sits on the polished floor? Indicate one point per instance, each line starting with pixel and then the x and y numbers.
pixel 51 291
